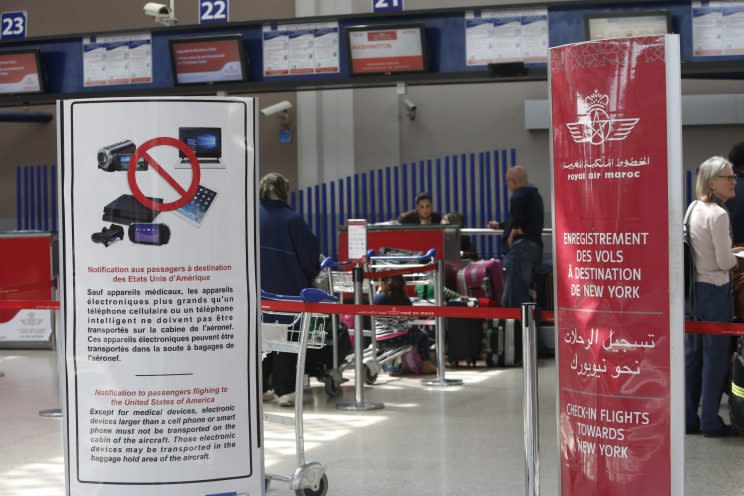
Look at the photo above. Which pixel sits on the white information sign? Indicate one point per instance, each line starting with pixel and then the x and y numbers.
pixel 160 308
pixel 506 36
pixel 297 49
pixel 717 28
pixel 357 239
pixel 120 59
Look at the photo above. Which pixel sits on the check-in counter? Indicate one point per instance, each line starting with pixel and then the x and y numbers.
pixel 26 273
pixel 444 238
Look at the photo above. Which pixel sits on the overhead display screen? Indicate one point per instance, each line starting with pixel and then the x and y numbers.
pixel 208 60
pixel 20 72
pixel 386 49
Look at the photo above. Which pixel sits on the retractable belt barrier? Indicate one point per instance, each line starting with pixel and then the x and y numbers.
pixel 544 316
pixel 32 286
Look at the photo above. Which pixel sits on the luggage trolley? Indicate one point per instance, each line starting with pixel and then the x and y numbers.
pixel 338 281
pixel 374 359
pixel 295 333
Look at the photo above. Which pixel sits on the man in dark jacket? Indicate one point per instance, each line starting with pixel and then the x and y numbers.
pixel 290 260
pixel 735 205
pixel 523 245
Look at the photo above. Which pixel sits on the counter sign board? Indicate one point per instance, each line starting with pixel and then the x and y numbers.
pixel 159 307
pixel 617 180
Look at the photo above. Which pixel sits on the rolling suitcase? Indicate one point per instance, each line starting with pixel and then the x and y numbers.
pixel 482 279
pixel 503 344
pixel 463 338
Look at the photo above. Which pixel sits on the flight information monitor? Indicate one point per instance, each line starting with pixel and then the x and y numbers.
pixel 627 25
pixel 20 72
pixel 386 49
pixel 208 60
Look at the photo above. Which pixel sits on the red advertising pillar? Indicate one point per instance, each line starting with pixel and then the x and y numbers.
pixel 617 207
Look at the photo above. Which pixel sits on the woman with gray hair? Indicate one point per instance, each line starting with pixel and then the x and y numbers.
pixel 707 356
pixel 290 260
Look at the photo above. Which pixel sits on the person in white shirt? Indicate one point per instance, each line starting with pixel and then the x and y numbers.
pixel 707 356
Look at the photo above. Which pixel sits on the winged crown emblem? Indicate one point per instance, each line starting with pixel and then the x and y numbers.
pixel 596 126
pixel 31 320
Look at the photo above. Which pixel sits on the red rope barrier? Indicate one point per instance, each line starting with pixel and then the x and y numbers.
pixel 399 272
pixel 393 311
pixel 695 327
pixel 29 305
pixel 28 287
pixel 722 328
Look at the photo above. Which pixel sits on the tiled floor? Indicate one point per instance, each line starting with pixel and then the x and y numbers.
pixel 460 441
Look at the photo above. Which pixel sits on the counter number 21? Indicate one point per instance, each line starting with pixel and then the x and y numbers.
pixel 213 11
pixel 387 5
pixel 13 24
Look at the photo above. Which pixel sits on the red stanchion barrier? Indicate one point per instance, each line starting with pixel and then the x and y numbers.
pixel 392 311
pixel 545 316
pixel 29 305
pixel 28 287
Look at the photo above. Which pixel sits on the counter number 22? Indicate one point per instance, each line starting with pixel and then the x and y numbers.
pixel 387 5
pixel 213 11
pixel 13 24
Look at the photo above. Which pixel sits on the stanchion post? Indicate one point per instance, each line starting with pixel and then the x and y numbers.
pixel 529 402
pixel 359 403
pixel 440 380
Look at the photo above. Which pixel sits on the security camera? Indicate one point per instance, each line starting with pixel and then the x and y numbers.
pixel 410 108
pixel 157 9
pixel 163 14
pixel 282 106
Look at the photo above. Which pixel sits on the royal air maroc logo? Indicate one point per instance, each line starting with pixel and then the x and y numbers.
pixel 596 126
pixel 31 320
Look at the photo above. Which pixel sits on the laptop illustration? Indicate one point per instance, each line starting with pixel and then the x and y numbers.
pixel 206 142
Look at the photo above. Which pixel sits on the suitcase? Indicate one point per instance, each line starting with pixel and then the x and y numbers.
pixel 544 286
pixel 463 338
pixel 503 344
pixel 482 279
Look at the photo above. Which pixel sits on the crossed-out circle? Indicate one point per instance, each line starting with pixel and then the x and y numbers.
pixel 185 195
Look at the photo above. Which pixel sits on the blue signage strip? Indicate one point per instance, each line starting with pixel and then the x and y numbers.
pixel 13 25
pixel 214 11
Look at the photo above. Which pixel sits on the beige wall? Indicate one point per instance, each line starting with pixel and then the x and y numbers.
pixel 50 17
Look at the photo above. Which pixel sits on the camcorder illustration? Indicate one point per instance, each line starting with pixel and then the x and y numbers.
pixel 116 157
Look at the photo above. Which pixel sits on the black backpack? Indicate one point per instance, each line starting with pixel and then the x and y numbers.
pixel 689 256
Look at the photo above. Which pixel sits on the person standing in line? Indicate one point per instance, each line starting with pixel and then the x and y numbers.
pixel 523 245
pixel 290 261
pixel 735 205
pixel 423 213
pixel 707 356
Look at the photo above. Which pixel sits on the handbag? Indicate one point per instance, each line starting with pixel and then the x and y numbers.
pixel 689 257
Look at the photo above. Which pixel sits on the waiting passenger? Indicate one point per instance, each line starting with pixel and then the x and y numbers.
pixel 707 356
pixel 393 332
pixel 735 205
pixel 290 255
pixel 466 246
pixel 423 213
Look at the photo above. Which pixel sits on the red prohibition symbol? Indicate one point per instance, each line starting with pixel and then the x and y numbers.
pixel 185 196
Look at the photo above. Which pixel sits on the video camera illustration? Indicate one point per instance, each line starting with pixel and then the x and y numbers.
pixel 116 157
